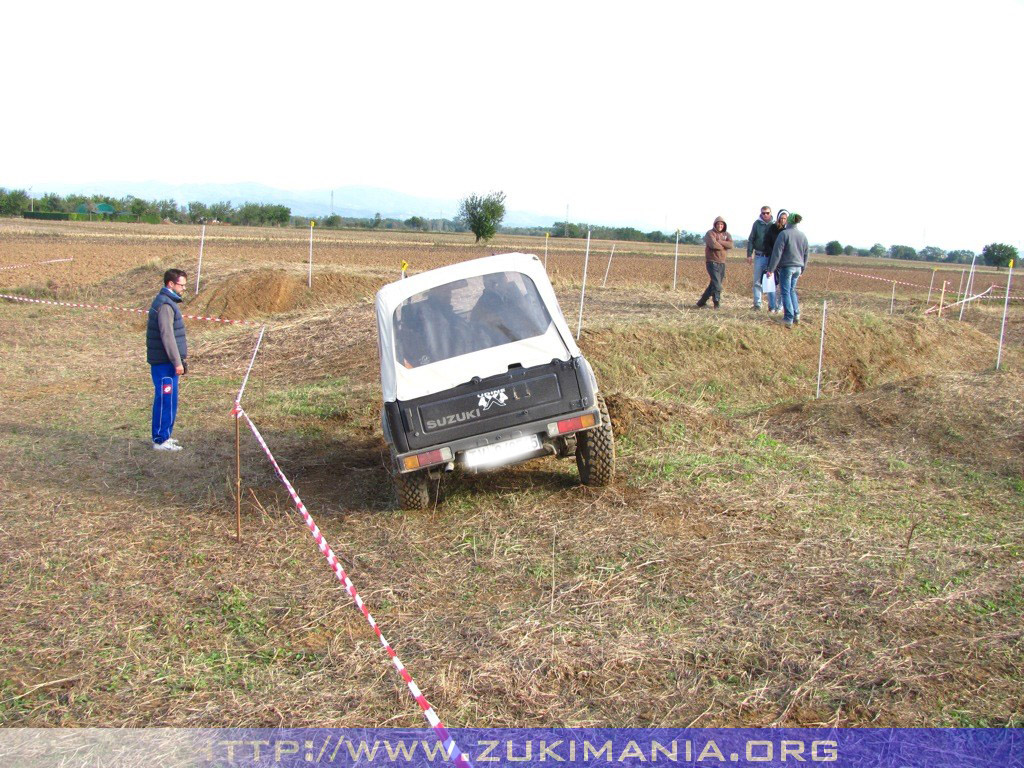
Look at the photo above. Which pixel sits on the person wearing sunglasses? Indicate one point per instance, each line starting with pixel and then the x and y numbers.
pixel 758 254
pixel 166 353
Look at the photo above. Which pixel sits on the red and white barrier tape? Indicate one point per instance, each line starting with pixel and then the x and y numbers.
pixel 875 277
pixel 457 756
pixel 70 304
pixel 34 263
pixel 119 309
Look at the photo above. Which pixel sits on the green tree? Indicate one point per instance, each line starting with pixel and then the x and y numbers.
pixel 959 257
pixel 567 229
pixel 167 210
pixel 849 250
pixel 13 201
pixel 903 252
pixel 483 215
pixel 137 206
pixel 197 212
pixel 877 250
pixel 221 211
pixel 276 214
pixel 51 202
pixel 250 214
pixel 377 221
pixel 931 253
pixel 999 254
pixel 833 248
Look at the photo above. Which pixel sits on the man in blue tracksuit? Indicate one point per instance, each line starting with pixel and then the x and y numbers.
pixel 166 351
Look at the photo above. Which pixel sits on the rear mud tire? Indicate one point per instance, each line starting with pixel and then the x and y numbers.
pixel 595 451
pixel 412 490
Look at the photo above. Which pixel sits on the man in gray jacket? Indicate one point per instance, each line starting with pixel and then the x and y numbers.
pixel 166 351
pixel 789 257
pixel 757 253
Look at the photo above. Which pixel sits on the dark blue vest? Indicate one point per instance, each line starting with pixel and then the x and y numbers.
pixel 155 352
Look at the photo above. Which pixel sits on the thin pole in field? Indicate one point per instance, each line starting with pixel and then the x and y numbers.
pixel 238 482
pixel 821 347
pixel 959 287
pixel 1006 306
pixel 610 256
pixel 547 236
pixel 968 287
pixel 892 304
pixel 942 296
pixel 586 261
pixel 930 284
pixel 199 271
pixel 311 223
pixel 245 379
pixel 236 413
pixel 675 265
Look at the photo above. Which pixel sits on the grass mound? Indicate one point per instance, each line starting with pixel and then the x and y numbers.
pixel 732 360
pixel 970 419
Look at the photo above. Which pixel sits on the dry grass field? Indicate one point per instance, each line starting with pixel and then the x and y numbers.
pixel 762 558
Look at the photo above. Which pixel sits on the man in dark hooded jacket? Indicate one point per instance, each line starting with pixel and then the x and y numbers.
pixel 717 242
pixel 758 252
pixel 166 350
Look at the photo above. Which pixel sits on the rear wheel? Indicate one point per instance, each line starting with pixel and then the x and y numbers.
pixel 412 490
pixel 595 450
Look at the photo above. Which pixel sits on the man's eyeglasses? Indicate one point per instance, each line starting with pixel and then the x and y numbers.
pixel 179 285
pixel 766 213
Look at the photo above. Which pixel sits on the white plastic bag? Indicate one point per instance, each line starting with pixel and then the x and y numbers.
pixel 767 283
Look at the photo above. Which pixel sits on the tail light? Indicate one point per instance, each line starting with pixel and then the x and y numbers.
pixel 420 460
pixel 585 421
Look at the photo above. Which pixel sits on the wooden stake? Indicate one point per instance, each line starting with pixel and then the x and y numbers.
pixel 942 297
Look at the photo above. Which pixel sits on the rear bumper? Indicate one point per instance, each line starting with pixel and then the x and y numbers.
pixel 538 427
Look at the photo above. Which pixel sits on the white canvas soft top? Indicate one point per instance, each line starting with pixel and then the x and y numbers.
pixel 399 382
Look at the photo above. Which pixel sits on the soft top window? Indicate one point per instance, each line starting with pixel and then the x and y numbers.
pixel 466 316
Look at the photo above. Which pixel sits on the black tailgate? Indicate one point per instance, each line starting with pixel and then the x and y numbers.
pixel 499 402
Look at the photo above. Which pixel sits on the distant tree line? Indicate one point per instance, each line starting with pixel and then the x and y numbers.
pixel 994 254
pixel 411 224
pixel 16 202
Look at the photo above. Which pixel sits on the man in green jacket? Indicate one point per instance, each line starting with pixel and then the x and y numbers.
pixel 758 255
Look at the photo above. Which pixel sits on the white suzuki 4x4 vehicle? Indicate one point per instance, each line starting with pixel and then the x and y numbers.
pixel 479 369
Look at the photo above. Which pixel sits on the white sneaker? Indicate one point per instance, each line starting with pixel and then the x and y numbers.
pixel 166 445
pixel 172 441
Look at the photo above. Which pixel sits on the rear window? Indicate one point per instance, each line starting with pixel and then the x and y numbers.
pixel 466 316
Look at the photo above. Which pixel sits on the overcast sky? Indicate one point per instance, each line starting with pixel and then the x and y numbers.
pixel 891 122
